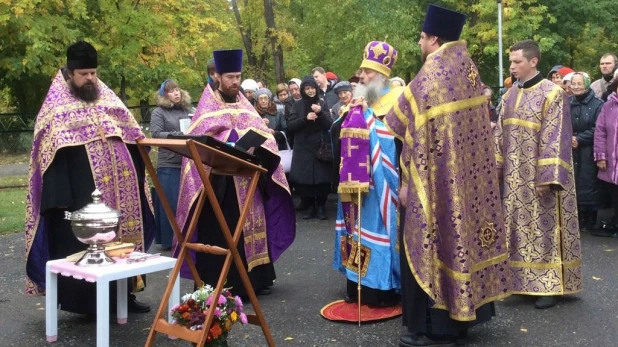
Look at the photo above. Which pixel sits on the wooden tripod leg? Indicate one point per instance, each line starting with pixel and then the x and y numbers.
pixel 182 256
pixel 166 206
pixel 232 244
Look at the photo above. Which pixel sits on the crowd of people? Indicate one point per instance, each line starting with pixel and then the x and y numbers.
pixel 446 203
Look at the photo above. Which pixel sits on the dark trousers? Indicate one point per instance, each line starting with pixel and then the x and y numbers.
pixel 170 180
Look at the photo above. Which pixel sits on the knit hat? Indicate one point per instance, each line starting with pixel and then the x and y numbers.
pixel 342 87
pixel 263 91
pixel 565 71
pixel 332 76
pixel 553 70
pixel 249 84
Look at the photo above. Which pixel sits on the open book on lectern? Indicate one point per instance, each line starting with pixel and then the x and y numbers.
pixel 240 149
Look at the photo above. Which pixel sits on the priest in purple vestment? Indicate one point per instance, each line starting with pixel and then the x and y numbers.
pixel 452 242
pixel 269 230
pixel 84 139
pixel 534 139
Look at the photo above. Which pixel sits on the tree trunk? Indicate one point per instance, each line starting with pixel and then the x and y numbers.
pixel 275 46
pixel 123 90
pixel 245 34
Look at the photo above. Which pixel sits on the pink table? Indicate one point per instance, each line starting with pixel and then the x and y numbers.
pixel 102 276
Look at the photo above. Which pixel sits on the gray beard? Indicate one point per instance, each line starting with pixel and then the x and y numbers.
pixel 370 92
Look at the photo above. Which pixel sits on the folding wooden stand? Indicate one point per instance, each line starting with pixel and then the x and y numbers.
pixel 221 164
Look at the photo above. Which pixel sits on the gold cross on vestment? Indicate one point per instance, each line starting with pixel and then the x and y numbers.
pixel 351 147
pixel 101 132
pixel 350 177
pixel 367 165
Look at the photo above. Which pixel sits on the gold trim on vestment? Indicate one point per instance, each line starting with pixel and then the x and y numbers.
pixel 467 276
pixel 499 158
pixel 407 93
pixel 526 265
pixel 489 262
pixel 553 161
pixel 445 46
pixel 566 292
pixel 355 133
pixel 479 304
pixel 386 102
pixel 523 123
pixel 381 68
pixel 448 108
pixel 550 98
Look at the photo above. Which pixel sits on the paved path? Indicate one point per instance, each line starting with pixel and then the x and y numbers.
pixel 305 283
pixel 13 170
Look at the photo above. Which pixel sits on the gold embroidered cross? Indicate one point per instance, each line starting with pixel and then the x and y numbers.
pixel 378 50
pixel 351 147
pixel 367 165
pixel 101 132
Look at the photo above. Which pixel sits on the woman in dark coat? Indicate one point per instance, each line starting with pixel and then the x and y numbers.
pixel 308 124
pixel 585 108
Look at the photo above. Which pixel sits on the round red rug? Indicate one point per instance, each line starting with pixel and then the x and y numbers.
pixel 342 311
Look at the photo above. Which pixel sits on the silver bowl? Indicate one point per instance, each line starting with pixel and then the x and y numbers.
pixel 94 225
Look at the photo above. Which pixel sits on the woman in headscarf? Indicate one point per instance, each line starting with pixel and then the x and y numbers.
pixel 585 109
pixel 272 116
pixel 173 104
pixel 605 155
pixel 308 124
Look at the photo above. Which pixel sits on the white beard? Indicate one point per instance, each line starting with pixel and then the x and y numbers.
pixel 372 91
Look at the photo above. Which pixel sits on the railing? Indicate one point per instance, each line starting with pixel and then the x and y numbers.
pixel 16 128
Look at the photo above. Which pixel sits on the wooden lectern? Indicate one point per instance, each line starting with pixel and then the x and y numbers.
pixel 222 164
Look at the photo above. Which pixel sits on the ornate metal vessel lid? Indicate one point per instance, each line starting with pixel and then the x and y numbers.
pixel 97 210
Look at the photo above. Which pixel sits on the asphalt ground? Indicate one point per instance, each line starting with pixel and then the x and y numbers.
pixel 305 283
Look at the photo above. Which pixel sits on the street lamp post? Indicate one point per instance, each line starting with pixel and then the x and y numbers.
pixel 500 70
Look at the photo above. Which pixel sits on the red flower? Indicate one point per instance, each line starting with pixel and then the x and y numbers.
pixel 215 331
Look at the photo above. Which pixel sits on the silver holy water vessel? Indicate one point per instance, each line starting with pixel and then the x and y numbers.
pixel 94 225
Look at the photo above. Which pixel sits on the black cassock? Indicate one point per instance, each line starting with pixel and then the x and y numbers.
pixel 67 186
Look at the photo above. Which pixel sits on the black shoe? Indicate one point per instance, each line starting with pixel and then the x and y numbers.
pixel 135 306
pixel 313 212
pixel 350 299
pixel 411 340
pixel 322 212
pixel 546 302
pixel 263 291
pixel 605 233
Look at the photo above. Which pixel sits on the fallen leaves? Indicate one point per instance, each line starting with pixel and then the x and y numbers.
pixel 289 338
pixel 523 330
pixel 596 278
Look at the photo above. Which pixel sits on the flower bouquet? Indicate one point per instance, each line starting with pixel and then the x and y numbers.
pixel 191 313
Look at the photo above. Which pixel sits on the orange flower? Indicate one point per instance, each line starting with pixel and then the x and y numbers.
pixel 215 331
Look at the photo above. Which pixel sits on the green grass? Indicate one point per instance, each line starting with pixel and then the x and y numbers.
pixel 13 181
pixel 12 210
pixel 8 159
